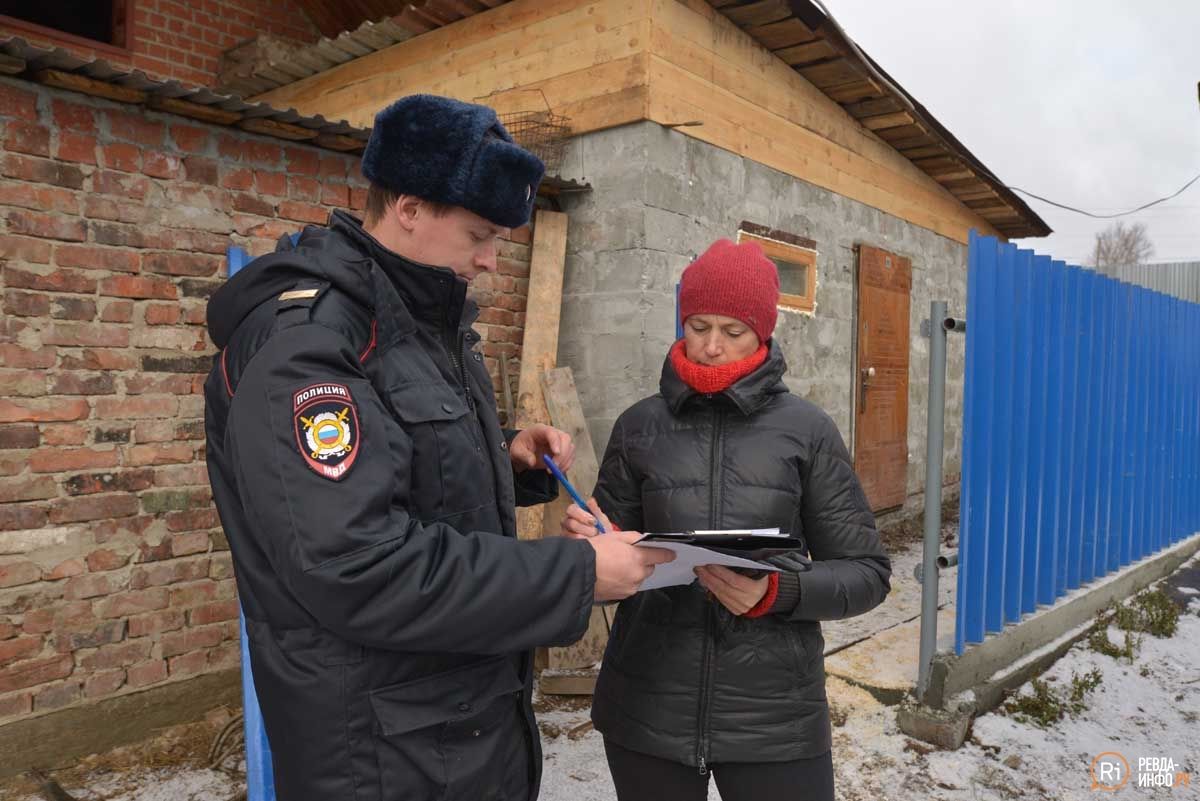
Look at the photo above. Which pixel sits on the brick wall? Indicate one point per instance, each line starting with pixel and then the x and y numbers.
pixel 184 39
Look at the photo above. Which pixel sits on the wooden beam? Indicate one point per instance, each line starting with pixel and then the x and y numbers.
pixel 197 111
pixel 339 142
pixel 806 53
pixel 280 130
pixel 893 120
pixel 837 72
pixel 539 350
pixel 89 86
pixel 869 108
pixel 11 65
pixel 763 12
pixel 788 33
pixel 566 414
pixel 567 682
pixel 854 92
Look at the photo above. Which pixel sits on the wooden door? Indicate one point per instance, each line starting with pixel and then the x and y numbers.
pixel 881 376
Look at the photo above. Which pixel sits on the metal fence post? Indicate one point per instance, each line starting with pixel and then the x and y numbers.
pixel 934 449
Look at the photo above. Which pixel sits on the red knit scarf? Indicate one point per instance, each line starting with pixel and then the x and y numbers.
pixel 709 378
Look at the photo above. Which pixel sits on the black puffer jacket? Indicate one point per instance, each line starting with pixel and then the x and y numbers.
pixel 683 679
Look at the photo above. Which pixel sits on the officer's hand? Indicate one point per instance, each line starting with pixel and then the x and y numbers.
pixel 621 566
pixel 529 446
pixel 578 524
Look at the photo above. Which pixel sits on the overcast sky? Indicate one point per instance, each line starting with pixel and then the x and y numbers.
pixel 1091 103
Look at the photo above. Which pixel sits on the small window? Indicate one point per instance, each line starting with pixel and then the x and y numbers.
pixel 797 270
pixel 81 22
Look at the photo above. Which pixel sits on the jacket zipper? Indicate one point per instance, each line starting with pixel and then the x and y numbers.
pixel 709 645
pixel 460 368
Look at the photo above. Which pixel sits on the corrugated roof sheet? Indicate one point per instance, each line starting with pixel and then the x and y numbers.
pixel 63 69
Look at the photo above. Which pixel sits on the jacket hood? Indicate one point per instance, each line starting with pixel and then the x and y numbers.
pixel 748 395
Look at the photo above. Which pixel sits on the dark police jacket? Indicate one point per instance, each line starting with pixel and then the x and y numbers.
pixel 683 679
pixel 364 483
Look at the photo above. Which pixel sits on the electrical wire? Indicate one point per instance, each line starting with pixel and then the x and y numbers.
pixel 903 96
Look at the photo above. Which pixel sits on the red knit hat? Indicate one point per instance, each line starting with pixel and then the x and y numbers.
pixel 736 281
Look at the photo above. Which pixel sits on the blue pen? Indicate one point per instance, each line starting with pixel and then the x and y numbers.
pixel 562 478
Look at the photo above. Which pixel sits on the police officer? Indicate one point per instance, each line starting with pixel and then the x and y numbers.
pixel 368 491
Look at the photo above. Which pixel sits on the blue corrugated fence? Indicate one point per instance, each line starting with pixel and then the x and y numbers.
pixel 1081 431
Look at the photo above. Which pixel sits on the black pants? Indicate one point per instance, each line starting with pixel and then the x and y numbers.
pixel 640 777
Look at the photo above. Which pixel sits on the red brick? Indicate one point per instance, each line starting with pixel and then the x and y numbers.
pixel 81 384
pixel 28 137
pixel 117 311
pixel 302 162
pixel 92 257
pixel 20 648
pixel 136 408
pixel 77 334
pixel 153 454
pixel 358 198
pixel 213 613
pixel 34 672
pixel 156 623
pixel 103 559
pixel 117 156
pixel 77 147
pixel 333 167
pixel 27 489
pixel 20 704
pixel 25 304
pixel 16 356
pixel 57 697
pixel 76 309
pixel 335 195
pixel 188 664
pixel 134 127
pixel 225 656
pixel 189 543
pixel 19 437
pixel 303 212
pixel 192 520
pixel 90 586
pixel 118 655
pixel 162 314
pixel 306 189
pixel 43 411
pixel 47 226
pixel 154 431
pixel 106 208
pixel 39 198
pixel 199 592
pixel 28 383
pixel 239 178
pixel 120 184
pixel 41 171
pixel 94 483
pixel 161 165
pixel 183 475
pixel 103 683
pixel 158 384
pixel 201 170
pixel 16 573
pixel 145 673
pixel 192 264
pixel 128 286
pixel 252 204
pixel 94 636
pixel 67 569
pixel 193 639
pixel 53 281
pixel 189 138
pixel 64 434
pixel 22 249
pixel 92 507
pixel 170 572
pixel 270 183
pixel 135 602
pixel 222 567
pixel 73 116
pixel 17 103
pixel 101 359
pixel 14 517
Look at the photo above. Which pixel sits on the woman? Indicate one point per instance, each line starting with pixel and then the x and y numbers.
pixel 727 674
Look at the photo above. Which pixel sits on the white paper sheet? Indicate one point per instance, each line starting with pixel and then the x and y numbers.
pixel 687 558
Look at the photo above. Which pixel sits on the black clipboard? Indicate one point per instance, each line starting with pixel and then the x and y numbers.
pixel 743 543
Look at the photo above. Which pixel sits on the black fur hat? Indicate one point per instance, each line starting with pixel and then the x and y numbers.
pixel 456 153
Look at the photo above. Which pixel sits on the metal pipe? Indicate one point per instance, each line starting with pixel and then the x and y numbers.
pixel 935 435
pixel 948 559
pixel 954 324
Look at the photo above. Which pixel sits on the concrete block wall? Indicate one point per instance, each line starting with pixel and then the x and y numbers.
pixel 659 199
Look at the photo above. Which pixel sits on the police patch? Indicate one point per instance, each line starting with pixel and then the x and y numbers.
pixel 326 420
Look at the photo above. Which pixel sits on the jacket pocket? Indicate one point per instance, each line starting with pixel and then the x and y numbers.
pixel 446 473
pixel 450 735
